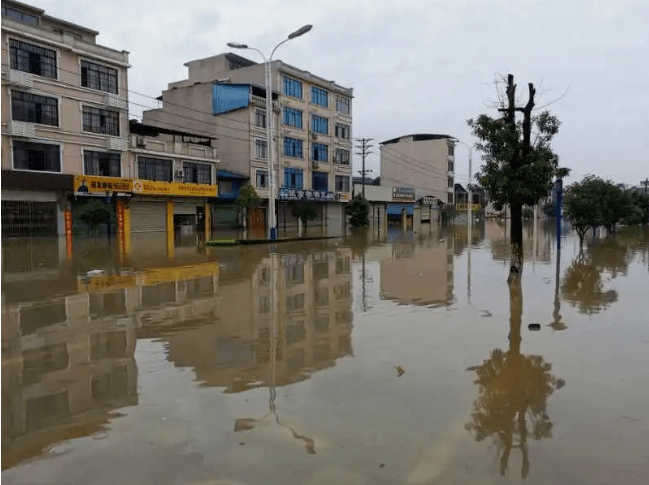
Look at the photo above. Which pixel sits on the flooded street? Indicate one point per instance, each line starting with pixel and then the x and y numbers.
pixel 404 359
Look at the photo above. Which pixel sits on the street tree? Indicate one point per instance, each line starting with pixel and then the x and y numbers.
pixel 94 213
pixel 305 211
pixel 359 211
pixel 247 200
pixel 519 162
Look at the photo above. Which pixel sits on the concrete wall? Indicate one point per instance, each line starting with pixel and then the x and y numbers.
pixel 422 165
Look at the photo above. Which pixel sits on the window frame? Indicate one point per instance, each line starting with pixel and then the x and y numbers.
pixel 326 152
pixel 293 114
pixel 340 151
pixel 339 178
pixel 320 175
pixel 294 143
pixel 258 142
pixel 315 96
pixel 28 93
pixel 201 165
pixel 343 101
pixel 261 112
pixel 13 156
pixel 296 178
pixel 343 128
pixel 147 157
pixel 5 13
pixel 94 150
pixel 83 114
pixel 263 172
pixel 291 81
pixel 101 65
pixel 316 120
pixel 10 40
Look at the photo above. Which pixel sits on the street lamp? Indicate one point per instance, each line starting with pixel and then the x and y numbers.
pixel 272 223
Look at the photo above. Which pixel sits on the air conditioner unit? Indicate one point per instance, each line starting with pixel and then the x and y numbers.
pixel 315 164
pixel 180 173
pixel 140 142
pixel 314 135
pixel 21 78
pixel 20 128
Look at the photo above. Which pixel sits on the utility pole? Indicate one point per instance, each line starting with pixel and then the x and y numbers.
pixel 364 147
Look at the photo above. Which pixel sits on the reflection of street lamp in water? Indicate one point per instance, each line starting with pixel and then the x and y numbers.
pixel 245 424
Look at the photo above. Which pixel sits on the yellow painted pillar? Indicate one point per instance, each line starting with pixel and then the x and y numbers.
pixel 170 229
pixel 208 221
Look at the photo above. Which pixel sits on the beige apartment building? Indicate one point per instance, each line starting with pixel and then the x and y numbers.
pixel 423 162
pixel 223 97
pixel 64 113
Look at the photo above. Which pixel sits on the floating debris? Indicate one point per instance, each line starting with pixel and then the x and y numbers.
pixel 534 326
pixel 400 370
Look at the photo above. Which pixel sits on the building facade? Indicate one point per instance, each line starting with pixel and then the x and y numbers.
pixel 313 128
pixel 424 163
pixel 64 110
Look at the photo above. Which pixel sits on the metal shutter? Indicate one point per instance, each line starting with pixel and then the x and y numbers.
pixel 185 208
pixel 148 217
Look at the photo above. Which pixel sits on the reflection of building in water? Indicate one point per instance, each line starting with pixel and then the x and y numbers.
pixel 419 275
pixel 66 364
pixel 313 323
pixel 537 240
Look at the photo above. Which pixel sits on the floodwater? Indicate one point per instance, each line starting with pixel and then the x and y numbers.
pixel 401 359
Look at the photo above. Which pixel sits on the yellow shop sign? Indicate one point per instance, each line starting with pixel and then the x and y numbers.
pixel 149 187
pixel 179 273
pixel 101 185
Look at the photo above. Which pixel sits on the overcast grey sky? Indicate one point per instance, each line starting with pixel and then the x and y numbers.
pixel 419 66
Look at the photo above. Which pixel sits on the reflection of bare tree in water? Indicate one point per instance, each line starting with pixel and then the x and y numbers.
pixel 582 287
pixel 512 389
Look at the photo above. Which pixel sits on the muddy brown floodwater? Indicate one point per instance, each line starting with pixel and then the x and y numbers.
pixel 395 360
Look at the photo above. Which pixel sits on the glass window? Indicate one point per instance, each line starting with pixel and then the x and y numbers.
pixel 260 118
pixel 197 173
pixel 342 183
pixel 262 178
pixel 39 157
pixel 19 16
pixel 319 96
pixel 292 147
pixel 320 124
pixel 293 117
pixel 102 121
pixel 32 58
pixel 343 105
pixel 105 164
pixel 225 187
pixel 343 131
pixel 451 150
pixel 342 156
pixel 292 87
pixel 33 108
pixel 154 169
pixel 261 148
pixel 293 178
pixel 294 273
pixel 96 76
pixel 343 265
pixel 319 152
pixel 320 181
pixel 450 182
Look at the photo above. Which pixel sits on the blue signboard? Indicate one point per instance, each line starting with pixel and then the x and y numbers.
pixel 304 194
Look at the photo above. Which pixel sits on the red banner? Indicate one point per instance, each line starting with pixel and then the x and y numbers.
pixel 68 231
pixel 120 227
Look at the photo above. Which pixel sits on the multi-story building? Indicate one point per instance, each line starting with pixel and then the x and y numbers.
pixel 423 162
pixel 63 113
pixel 313 128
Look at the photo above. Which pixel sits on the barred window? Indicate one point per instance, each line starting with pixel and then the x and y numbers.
pixel 34 108
pixel 96 76
pixel 40 157
pixel 197 173
pixel 102 121
pixel 342 156
pixel 32 58
pixel 261 148
pixel 105 164
pixel 154 169
pixel 343 131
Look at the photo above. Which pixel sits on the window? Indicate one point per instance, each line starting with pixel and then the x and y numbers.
pixel 343 291
pixel 342 183
pixel 320 124
pixel 102 121
pixel 32 58
pixel 293 117
pixel 343 131
pixel 154 169
pixel 96 76
pixel 449 198
pixel 104 164
pixel 319 96
pixel 343 105
pixel 342 156
pixel 292 147
pixel 451 150
pixel 36 156
pixel 262 178
pixel 261 148
pixel 197 173
pixel 293 178
pixel 321 296
pixel 343 265
pixel 34 108
pixel 292 87
pixel 451 166
pixel 295 302
pixel 320 181
pixel 450 182
pixel 225 187
pixel 19 16
pixel 260 118
pixel 319 152
pixel 264 304
pixel 294 273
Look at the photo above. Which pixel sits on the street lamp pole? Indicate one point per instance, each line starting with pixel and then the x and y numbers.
pixel 468 186
pixel 270 121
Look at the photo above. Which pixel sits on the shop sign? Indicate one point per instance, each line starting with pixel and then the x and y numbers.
pixel 150 187
pixel 163 275
pixel 342 196
pixel 305 194
pixel 101 185
pixel 403 194
pixel 100 283
pixel 428 200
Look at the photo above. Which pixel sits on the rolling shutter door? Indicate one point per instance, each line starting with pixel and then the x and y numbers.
pixel 148 217
pixel 185 208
